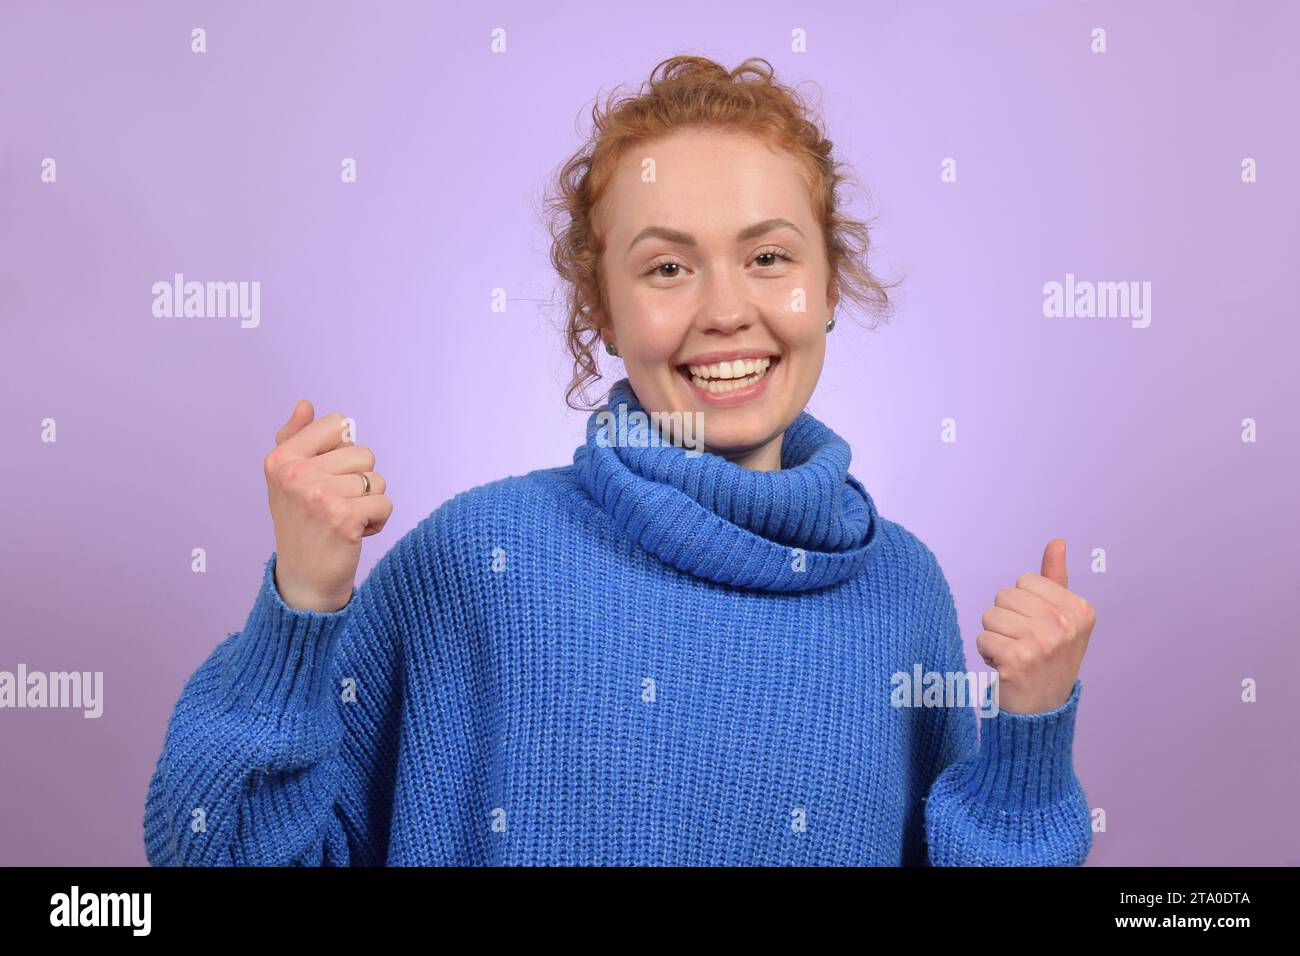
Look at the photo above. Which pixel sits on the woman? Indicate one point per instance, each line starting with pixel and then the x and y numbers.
pixel 689 646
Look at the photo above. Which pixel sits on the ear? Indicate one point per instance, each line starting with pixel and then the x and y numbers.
pixel 832 295
pixel 602 325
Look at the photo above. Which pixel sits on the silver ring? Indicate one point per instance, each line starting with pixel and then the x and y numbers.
pixel 366 482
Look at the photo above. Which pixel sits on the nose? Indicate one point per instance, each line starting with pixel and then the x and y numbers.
pixel 726 307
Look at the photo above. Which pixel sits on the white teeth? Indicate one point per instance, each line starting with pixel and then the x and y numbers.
pixel 740 368
pixel 729 376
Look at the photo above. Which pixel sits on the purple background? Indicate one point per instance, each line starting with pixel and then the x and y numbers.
pixel 376 302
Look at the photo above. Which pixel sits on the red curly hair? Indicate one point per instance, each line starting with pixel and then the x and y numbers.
pixel 693 91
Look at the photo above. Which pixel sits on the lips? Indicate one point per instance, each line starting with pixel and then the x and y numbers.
pixel 729 378
pixel 723 377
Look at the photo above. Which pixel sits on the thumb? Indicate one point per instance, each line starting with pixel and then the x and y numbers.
pixel 1054 562
pixel 303 415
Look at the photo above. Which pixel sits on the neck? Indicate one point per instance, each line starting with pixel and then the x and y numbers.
pixel 785 516
pixel 763 458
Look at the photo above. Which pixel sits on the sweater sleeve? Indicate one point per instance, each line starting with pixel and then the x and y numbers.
pixel 282 747
pixel 1012 799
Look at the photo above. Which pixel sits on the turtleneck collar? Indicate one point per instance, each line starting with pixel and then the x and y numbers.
pixel 714 519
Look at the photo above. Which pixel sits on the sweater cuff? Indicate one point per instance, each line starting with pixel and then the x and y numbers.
pixel 1025 760
pixel 281 660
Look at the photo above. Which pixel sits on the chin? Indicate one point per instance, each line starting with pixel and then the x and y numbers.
pixel 730 441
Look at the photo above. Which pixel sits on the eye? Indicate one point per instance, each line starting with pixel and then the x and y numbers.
pixel 773 254
pixel 664 264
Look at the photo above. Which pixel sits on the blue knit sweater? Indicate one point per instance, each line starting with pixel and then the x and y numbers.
pixel 644 657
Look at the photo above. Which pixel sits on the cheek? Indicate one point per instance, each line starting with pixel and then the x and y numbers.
pixel 655 335
pixel 801 332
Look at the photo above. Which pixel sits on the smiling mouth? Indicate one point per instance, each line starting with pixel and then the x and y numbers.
pixel 724 377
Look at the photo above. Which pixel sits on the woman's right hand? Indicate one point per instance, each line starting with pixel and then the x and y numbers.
pixel 320 509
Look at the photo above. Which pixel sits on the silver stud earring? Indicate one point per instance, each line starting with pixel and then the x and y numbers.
pixel 609 347
pixel 830 324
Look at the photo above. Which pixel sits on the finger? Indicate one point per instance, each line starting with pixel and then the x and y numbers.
pixel 1048 590
pixel 377 509
pixel 1054 562
pixel 323 435
pixel 366 513
pixel 1023 602
pixel 993 647
pixel 999 620
pixel 351 485
pixel 347 459
pixel 302 415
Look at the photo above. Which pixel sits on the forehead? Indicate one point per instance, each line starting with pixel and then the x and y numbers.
pixel 704 181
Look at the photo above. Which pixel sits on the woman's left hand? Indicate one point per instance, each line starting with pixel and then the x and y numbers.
pixel 1035 635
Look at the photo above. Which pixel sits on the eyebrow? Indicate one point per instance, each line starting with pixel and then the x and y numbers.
pixel 686 239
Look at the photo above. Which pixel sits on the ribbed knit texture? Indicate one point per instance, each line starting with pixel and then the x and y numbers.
pixel 643 657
